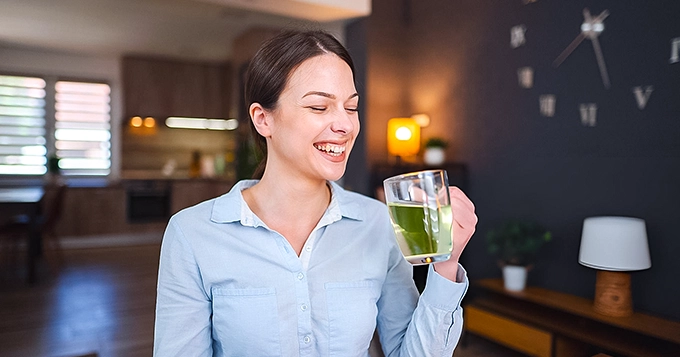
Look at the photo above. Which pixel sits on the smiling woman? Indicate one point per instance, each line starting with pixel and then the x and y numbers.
pixel 293 264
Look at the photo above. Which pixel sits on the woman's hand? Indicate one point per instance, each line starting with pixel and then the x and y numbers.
pixel 464 224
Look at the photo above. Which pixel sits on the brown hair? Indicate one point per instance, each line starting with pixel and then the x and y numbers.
pixel 271 66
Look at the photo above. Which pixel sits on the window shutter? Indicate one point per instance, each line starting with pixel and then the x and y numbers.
pixel 83 128
pixel 22 126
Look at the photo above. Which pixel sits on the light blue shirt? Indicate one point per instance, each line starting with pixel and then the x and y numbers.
pixel 230 286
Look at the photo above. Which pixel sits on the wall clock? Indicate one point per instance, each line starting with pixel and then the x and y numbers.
pixel 587 33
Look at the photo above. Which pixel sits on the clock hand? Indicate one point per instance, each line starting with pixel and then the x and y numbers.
pixel 600 62
pixel 567 51
pixel 590 28
pixel 586 16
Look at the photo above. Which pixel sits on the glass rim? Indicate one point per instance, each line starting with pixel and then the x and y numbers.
pixel 415 174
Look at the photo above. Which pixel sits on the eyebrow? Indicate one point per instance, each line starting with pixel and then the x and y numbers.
pixel 327 95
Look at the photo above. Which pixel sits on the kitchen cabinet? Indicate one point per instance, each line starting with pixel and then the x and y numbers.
pixel 97 211
pixel 162 88
pixel 93 211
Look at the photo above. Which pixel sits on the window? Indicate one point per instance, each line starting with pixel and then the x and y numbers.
pixel 81 126
pixel 22 126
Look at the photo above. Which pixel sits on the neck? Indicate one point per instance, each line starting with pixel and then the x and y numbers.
pixel 292 208
pixel 289 196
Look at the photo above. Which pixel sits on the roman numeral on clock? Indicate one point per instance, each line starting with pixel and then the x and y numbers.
pixel 525 76
pixel 642 97
pixel 675 47
pixel 588 114
pixel 547 105
pixel 517 36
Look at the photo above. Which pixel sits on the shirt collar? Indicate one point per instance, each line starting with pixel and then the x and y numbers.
pixel 231 207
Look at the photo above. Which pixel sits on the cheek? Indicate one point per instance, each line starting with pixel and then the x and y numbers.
pixel 357 129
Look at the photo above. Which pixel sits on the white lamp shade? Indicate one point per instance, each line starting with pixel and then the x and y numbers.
pixel 614 244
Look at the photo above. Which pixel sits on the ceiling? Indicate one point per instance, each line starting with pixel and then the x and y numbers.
pixel 196 29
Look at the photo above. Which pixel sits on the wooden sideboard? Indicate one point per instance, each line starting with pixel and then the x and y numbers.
pixel 541 322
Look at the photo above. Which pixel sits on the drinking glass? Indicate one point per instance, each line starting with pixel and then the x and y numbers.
pixel 420 211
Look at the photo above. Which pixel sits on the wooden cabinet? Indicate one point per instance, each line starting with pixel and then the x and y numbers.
pixel 162 88
pixel 187 193
pixel 541 322
pixel 516 335
pixel 92 211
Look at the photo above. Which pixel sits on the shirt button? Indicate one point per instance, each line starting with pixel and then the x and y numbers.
pixel 309 249
pixel 300 276
pixel 303 307
pixel 307 339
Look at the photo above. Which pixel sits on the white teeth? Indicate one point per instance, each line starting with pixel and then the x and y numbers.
pixel 331 149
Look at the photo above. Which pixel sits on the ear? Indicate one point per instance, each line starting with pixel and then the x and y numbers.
pixel 261 119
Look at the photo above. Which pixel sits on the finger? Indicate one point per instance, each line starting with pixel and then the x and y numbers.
pixel 417 194
pixel 456 193
pixel 463 214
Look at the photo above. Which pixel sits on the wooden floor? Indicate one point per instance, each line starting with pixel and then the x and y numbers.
pixel 100 302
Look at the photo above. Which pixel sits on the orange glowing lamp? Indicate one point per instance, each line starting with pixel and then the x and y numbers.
pixel 403 137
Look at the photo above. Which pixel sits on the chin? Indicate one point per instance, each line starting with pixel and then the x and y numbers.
pixel 336 174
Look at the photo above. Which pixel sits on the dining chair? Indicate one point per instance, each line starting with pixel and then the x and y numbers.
pixel 17 229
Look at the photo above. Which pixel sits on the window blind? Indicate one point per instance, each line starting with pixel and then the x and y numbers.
pixel 22 126
pixel 83 128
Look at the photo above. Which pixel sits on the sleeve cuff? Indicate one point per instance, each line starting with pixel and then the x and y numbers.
pixel 443 293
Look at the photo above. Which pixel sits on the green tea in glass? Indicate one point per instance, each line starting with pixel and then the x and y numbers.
pixel 420 211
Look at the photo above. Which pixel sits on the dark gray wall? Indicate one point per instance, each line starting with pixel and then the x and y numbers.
pixel 555 170
pixel 357 175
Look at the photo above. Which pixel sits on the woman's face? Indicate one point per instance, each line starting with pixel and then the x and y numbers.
pixel 315 122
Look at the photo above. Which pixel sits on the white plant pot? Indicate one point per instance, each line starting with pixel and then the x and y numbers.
pixel 434 156
pixel 514 277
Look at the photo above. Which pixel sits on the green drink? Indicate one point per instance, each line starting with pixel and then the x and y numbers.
pixel 420 211
pixel 423 233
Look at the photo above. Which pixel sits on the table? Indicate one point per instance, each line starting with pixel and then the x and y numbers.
pixel 542 322
pixel 25 200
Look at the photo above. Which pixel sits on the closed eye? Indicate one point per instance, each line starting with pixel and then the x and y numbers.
pixel 352 110
pixel 317 109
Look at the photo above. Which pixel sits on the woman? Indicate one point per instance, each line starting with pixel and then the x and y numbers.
pixel 292 264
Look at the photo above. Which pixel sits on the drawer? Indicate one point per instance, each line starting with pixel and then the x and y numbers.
pixel 513 334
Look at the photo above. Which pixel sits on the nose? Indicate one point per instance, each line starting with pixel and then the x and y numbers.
pixel 345 122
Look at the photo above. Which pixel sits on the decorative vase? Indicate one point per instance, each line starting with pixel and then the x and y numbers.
pixel 514 277
pixel 434 156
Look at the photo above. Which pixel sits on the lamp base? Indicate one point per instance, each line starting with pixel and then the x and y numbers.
pixel 612 294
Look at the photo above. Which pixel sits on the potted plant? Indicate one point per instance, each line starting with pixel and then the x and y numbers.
pixel 435 153
pixel 53 170
pixel 516 244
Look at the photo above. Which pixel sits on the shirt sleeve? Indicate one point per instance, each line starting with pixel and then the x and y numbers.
pixel 183 309
pixel 428 326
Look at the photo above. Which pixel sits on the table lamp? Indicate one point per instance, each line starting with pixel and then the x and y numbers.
pixel 403 137
pixel 615 246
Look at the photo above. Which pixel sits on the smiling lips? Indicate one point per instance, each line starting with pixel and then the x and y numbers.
pixel 330 149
